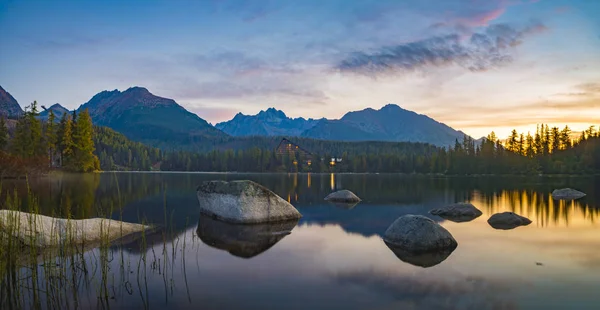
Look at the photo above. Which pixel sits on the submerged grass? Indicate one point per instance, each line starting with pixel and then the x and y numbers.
pixel 82 276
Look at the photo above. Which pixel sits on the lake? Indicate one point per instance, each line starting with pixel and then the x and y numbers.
pixel 335 257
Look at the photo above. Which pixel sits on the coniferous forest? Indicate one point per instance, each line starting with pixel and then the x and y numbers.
pixel 31 146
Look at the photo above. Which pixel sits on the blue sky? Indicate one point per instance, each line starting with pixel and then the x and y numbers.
pixel 476 65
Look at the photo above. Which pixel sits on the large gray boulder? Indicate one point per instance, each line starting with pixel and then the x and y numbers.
pixel 45 231
pixel 567 194
pixel 507 220
pixel 458 212
pixel 242 240
pixel 343 196
pixel 418 234
pixel 243 202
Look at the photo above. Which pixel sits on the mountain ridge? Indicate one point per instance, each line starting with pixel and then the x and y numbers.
pixel 145 117
pixel 9 107
pixel 269 122
pixel 389 123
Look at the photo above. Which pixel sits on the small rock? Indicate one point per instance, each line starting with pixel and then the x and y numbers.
pixel 243 202
pixel 458 212
pixel 539 264
pixel 418 234
pixel 344 195
pixel 508 220
pixel 567 194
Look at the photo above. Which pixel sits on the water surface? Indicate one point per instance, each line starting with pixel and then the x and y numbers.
pixel 335 257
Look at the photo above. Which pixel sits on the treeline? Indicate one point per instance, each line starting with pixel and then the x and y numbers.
pixel 548 151
pixel 74 144
pixel 116 152
pixel 35 146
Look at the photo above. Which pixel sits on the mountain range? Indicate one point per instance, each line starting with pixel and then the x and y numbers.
pixel 271 122
pixel 161 122
pixel 390 123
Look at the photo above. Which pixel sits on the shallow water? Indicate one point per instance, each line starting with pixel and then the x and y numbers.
pixel 334 257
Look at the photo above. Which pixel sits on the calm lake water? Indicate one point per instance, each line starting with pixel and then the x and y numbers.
pixel 335 257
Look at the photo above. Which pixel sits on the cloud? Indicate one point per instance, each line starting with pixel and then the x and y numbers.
pixel 428 292
pixel 71 42
pixel 481 51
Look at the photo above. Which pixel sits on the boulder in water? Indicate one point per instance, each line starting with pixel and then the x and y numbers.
pixel 243 202
pixel 242 240
pixel 418 234
pixel 567 194
pixel 458 212
pixel 45 231
pixel 508 220
pixel 344 196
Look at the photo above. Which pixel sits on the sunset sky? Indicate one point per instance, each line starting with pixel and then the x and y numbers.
pixel 476 65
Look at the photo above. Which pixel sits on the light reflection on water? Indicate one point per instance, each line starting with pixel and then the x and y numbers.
pixel 335 258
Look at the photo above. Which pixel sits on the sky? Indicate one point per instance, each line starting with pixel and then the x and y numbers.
pixel 476 65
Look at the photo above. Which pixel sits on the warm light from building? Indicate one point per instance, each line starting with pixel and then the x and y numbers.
pixel 332 181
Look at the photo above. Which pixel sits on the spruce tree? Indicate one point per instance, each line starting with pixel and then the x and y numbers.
pixel 50 136
pixel 83 144
pixel 66 142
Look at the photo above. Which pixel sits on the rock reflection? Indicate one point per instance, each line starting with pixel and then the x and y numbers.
pixel 459 219
pixel 242 240
pixel 342 205
pixel 420 259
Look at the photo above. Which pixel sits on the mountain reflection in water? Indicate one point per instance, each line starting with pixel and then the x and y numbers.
pixel 334 258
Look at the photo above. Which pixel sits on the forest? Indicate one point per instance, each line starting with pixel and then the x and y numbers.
pixel 31 146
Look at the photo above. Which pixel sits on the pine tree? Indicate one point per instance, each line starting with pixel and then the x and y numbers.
pixel 83 144
pixel 546 142
pixel 50 136
pixel 539 145
pixel 530 148
pixel 555 133
pixel 3 134
pixel 66 142
pixel 565 138
pixel 511 143
pixel 521 145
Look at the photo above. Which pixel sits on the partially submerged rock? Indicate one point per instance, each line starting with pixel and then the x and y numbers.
pixel 567 194
pixel 424 259
pixel 243 202
pixel 45 231
pixel 241 240
pixel 344 196
pixel 418 234
pixel 458 212
pixel 507 220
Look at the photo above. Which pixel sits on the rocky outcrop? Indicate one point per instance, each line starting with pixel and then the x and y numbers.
pixel 423 259
pixel 44 231
pixel 458 212
pixel 343 196
pixel 242 240
pixel 418 234
pixel 243 202
pixel 567 194
pixel 508 220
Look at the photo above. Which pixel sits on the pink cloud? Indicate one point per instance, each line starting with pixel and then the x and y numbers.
pixel 483 19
